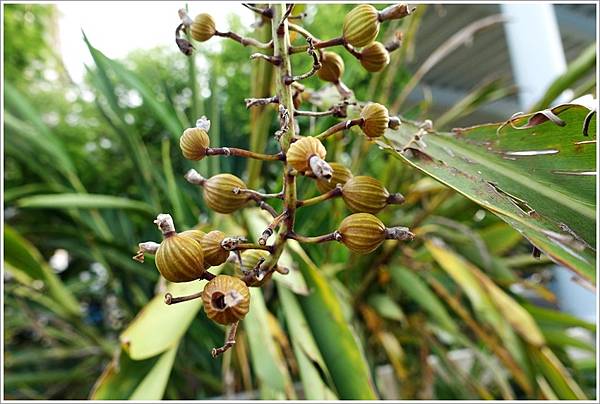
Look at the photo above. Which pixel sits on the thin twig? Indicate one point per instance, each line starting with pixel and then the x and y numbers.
pixel 265 12
pixel 339 127
pixel 275 61
pixel 245 41
pixel 254 102
pixel 315 67
pixel 234 151
pixel 335 236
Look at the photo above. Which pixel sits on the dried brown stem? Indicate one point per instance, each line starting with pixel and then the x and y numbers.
pixel 229 342
pixel 245 41
pixel 234 151
pixel 340 127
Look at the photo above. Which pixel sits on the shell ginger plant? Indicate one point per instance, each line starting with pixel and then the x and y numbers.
pixel 189 255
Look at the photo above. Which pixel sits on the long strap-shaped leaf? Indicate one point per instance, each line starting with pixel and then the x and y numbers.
pixel 537 173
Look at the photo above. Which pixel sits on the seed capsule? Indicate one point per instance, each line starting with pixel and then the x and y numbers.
pixel 226 299
pixel 374 57
pixel 332 67
pixel 302 150
pixel 214 253
pixel 365 194
pixel 361 25
pixel 203 27
pixel 341 174
pixel 376 119
pixel 362 232
pixel 193 143
pixel 179 258
pixel 195 234
pixel 220 193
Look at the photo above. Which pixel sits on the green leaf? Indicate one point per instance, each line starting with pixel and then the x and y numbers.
pixel 415 288
pixel 21 256
pixel 125 378
pixel 577 69
pixel 158 326
pixel 310 361
pixel 83 201
pixel 162 112
pixel 537 176
pixel 557 375
pixel 554 318
pixel 335 338
pixel 267 361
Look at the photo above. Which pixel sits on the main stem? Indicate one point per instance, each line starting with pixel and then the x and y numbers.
pixel 281 45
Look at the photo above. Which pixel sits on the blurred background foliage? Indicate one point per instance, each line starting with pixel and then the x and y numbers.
pixel 88 166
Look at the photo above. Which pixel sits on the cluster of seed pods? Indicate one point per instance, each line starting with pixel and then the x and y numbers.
pixel 189 255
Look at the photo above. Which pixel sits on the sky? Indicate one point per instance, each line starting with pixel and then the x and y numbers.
pixel 116 28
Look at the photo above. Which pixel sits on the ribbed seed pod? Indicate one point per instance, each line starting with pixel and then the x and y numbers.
pixel 226 299
pixel 193 143
pixel 374 57
pixel 365 194
pixel 302 150
pixel 214 253
pixel 341 174
pixel 180 258
pixel 376 119
pixel 361 25
pixel 332 67
pixel 195 234
pixel 250 259
pixel 362 232
pixel 203 27
pixel 219 193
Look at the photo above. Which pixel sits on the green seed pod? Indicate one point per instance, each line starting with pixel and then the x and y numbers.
pixel 180 258
pixel 302 150
pixel 226 299
pixel 332 67
pixel 374 57
pixel 362 232
pixel 365 194
pixel 376 119
pixel 220 193
pixel 214 253
pixel 203 27
pixel 361 25
pixel 341 174
pixel 193 143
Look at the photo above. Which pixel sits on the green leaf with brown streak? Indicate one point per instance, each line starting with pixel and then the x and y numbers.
pixel 537 173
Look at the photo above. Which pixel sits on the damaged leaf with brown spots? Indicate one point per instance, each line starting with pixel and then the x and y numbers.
pixel 536 171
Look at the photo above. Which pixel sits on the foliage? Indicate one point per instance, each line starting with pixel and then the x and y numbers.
pixel 331 324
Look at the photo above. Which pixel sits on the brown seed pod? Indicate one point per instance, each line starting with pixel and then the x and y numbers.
pixel 214 253
pixel 332 67
pixel 341 174
pixel 226 299
pixel 375 118
pixel 180 258
pixel 195 234
pixel 365 194
pixel 374 57
pixel 302 150
pixel 220 193
pixel 362 232
pixel 361 25
pixel 193 143
pixel 203 27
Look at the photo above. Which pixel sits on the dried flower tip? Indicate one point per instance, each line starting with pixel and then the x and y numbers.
pixel 398 233
pixel 395 12
pixel 164 221
pixel 184 17
pixel 203 123
pixel 184 46
pixel 320 168
pixel 394 122
pixel 203 27
pixel 194 177
pixel 396 199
